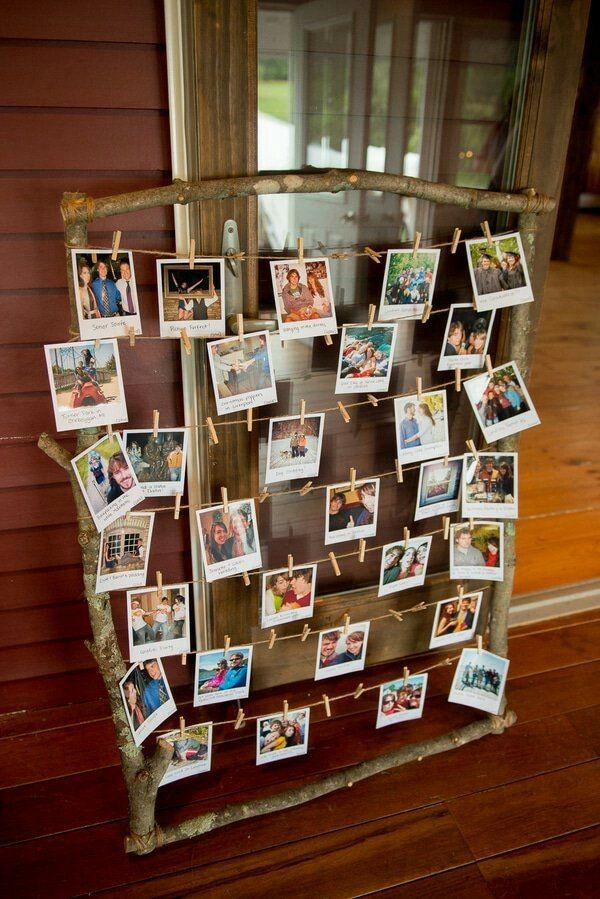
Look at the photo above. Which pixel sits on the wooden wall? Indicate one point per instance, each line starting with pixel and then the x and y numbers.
pixel 84 105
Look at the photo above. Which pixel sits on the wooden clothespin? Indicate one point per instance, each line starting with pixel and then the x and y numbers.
pixel 455 240
pixel 226 643
pixel 352 478
pixel 406 674
pixel 177 509
pixel 419 389
pixel 159 582
pixel 399 475
pixel 479 643
pixel 224 500
pixel 327 339
pixel 239 719
pixel 446 520
pixel 472 448
pixel 362 548
pixel 306 489
pixel 286 708
pixel 371 318
pixel 302 412
pixel 183 658
pixel 457 379
pixel 471 523
pixel 420 607
pixel 246 578
pixel 372 399
pixel 343 412
pixel 249 418
pixel 373 254
pixel 300 244
pixel 346 625
pixel 192 253
pixel 474 302
pixel 109 429
pixel 485 227
pixel 326 704
pixel 131 335
pixel 426 312
pixel 305 633
pixel 272 638
pixel 334 564
pixel 460 591
pixel 128 516
pixel 240 324
pixel 290 564
pixel 446 461
pixel 155 420
pixel 395 614
pixel 141 666
pixel 359 691
pixel 406 535
pixel 263 495
pixel 97 344
pixel 94 258
pixel 284 344
pixel 115 245
pixel 489 366
pixel 181 726
pixel 416 244
pixel 186 341
pixel 211 430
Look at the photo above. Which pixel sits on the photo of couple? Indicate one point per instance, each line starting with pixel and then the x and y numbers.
pixel 124 552
pixel 455 620
pixel 158 622
pixel 341 653
pixel 229 539
pixel 107 480
pixel 490 486
pixel 421 426
pixel 499 274
pixel 294 448
pixel 242 372
pixel 303 298
pixel 287 598
pixel 221 676
pixel 158 461
pixel 401 700
pixel 191 298
pixel 477 552
pixel 479 680
pixel 282 736
pixel 351 514
pixel 467 338
pixel 403 565
pixel 438 492
pixel 192 750
pixel 501 403
pixel 146 697
pixel 408 283
pixel 366 357
pixel 106 292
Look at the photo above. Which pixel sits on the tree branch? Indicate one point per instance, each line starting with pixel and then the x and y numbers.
pixel 55 451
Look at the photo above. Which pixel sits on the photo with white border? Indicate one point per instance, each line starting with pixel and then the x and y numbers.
pixel 401 700
pixel 479 680
pixel 229 539
pixel 107 301
pixel 490 487
pixel 158 624
pixel 158 461
pixel 107 480
pixel 147 698
pixel 499 274
pixel 282 736
pixel 477 553
pixel 466 338
pixel 222 675
pixel 421 426
pixel 366 358
pixel 287 597
pixel 408 283
pixel 124 552
pixel 294 449
pixel 438 492
pixel 303 298
pixel 351 514
pixel 455 619
pixel 501 403
pixel 193 299
pixel 342 653
pixel 403 565
pixel 242 372
pixel 192 752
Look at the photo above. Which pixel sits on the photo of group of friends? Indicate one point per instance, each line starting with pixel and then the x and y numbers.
pixel 421 426
pixel 294 447
pixel 403 565
pixel 191 298
pixel 501 403
pixel 490 486
pixel 401 700
pixel 499 274
pixel 351 513
pixel 158 460
pixel 158 622
pixel 477 551
pixel 229 539
pixel 106 292
pixel 86 384
pixel 282 736
pixel 192 751
pixel 438 492
pixel 342 651
pixel 107 480
pixel 366 357
pixel 222 675
pixel 303 298
pixel 288 596
pixel 146 697
pixel 455 620
pixel 479 680
pixel 242 372
pixel 467 338
pixel 408 283
pixel 124 552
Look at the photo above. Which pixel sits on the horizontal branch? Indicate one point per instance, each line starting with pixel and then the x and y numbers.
pixel 87 209
pixel 55 451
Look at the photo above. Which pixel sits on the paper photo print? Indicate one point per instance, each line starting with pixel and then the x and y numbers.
pixel 477 553
pixel 147 698
pixel 438 492
pixel 455 620
pixel 501 403
pixel 499 273
pixel 403 565
pixel 107 301
pixel 86 384
pixel 294 448
pixel 490 486
pixel 287 597
pixel 421 426
pixel 192 751
pixel 280 736
pixel 479 680
pixel 303 298
pixel 222 675
pixel 124 552
pixel 158 462
pixel 466 339
pixel 408 283
pixel 401 700
pixel 340 653
pixel 229 539
pixel 107 480
pixel 351 514
pixel 191 298
pixel 366 357
pixel 242 372
pixel 158 623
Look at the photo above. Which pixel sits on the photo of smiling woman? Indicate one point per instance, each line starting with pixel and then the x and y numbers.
pixel 107 480
pixel 351 513
pixel 229 539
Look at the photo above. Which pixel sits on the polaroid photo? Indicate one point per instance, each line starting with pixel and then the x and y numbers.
pixel 366 358
pixel 421 427
pixel 477 553
pixel 340 653
pixel 408 283
pixel 466 339
pixel 229 540
pixel 146 697
pixel 107 300
pixel 242 372
pixel 303 298
pixel 499 274
pixel 401 700
pixel 192 751
pixel 294 449
pixel 158 462
pixel 222 676
pixel 403 565
pixel 351 514
pixel 455 620
pixel 107 480
pixel 280 736
pixel 86 384
pixel 479 680
pixel 158 625
pixel 490 486
pixel 501 403
pixel 438 492
pixel 124 552
pixel 287 598
pixel 191 298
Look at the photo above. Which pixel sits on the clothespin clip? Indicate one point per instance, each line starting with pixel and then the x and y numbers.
pixel 115 245
pixel 141 666
pixel 128 516
pixel 359 691
pixel 419 389
pixel 479 643
pixel 457 379
pixel 186 341
pixel 306 489
pixel 373 254
pixel 406 535
pixel 472 448
pixel 155 419
pixel 305 633
pixel 290 564
pixel 446 461
pixel 372 399
pixel 131 335
pixel 272 638
pixel 322 247
pixel 159 582
pixel 327 339
pixel 183 658
pixel 192 253
pixel 239 720
pixel 416 244
pixel 326 704
pixel 395 614
pixel 420 607
pixel 362 548
pixel 489 366
pixel 177 509
pixel 485 227
pixel 211 430
pixel 446 520
pixel 370 320
pixel 300 243
pixel 109 429
pixel 343 412
pixel 284 344
pixel 334 564
pixel 352 478
pixel 346 625
pixel 226 643
pixel 286 708
pixel 94 258
pixel 246 578
pixel 249 418
pixel 302 412
pixel 240 324
pixel 474 302
pixel 426 312
pixel 263 495
pixel 406 674
pixel 455 240
pixel 224 500
pixel 399 475
pixel 97 344
pixel 471 524
pixel 181 726
pixel 460 591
